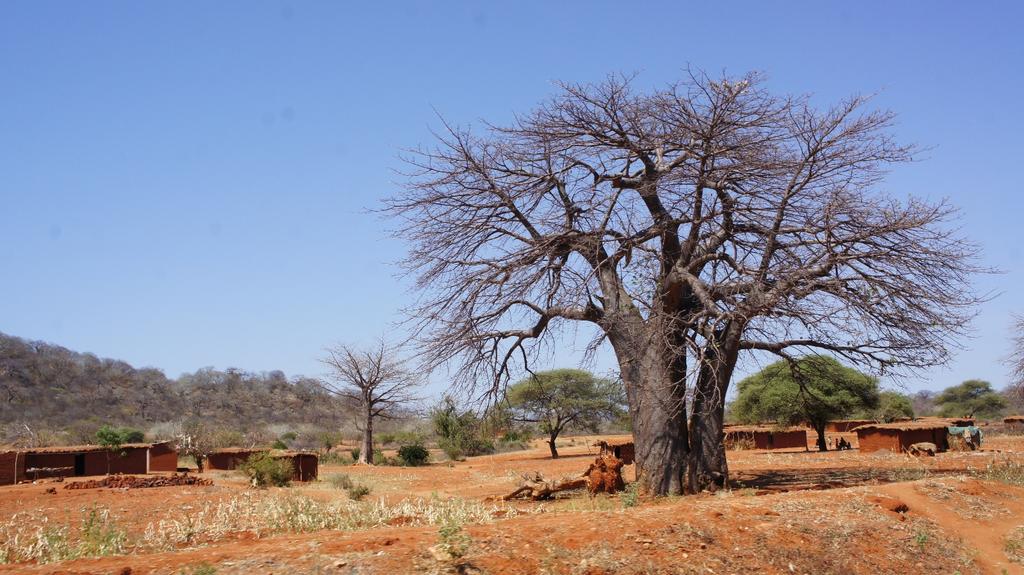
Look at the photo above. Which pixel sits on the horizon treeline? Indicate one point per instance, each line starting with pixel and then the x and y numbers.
pixel 46 387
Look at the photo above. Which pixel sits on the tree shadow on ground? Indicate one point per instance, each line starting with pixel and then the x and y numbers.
pixel 780 480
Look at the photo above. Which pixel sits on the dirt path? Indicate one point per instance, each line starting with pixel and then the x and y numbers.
pixel 983 535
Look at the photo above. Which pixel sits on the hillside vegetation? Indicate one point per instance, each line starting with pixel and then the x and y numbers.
pixel 47 389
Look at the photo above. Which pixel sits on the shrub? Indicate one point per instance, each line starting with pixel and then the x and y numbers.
pixel 460 434
pixel 1013 545
pixel 278 444
pixel 410 437
pixel 355 453
pixel 631 496
pixel 263 470
pixel 335 459
pixel 386 438
pixel 378 457
pixel 451 449
pixel 357 492
pixel 340 481
pixel 453 539
pixel 413 455
pixel 460 447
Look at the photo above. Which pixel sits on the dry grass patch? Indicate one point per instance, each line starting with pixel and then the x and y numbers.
pixel 1013 545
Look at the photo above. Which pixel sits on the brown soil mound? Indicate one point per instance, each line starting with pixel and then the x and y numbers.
pixel 132 482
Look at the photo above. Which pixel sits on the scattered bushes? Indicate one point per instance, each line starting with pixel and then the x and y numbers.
pixel 1013 545
pixel 379 459
pixel 357 492
pixel 340 480
pixel 515 440
pixel 1005 472
pixel 413 455
pixel 335 458
pixel 631 496
pixel 264 470
pixel 453 539
pixel 460 434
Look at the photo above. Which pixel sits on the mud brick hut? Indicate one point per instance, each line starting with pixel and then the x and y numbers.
pixel 765 437
pixel 82 460
pixel 624 451
pixel 12 467
pixel 898 437
pixel 1014 421
pixel 304 464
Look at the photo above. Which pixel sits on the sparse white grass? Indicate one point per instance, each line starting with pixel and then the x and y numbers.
pixel 26 537
pixel 97 535
pixel 293 513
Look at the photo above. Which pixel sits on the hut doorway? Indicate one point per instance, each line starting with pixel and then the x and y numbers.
pixel 79 464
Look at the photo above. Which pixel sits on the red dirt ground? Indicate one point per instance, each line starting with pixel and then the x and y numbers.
pixel 795 512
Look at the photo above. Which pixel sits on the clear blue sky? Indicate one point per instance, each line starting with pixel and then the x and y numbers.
pixel 183 184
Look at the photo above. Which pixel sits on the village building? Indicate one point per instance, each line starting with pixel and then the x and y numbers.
pixel 764 437
pixel 304 464
pixel 624 451
pixel 899 436
pixel 29 464
pixel 1014 421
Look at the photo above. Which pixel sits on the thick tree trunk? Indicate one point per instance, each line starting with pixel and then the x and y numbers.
pixel 822 444
pixel 658 410
pixel 551 445
pixel 366 452
pixel 707 468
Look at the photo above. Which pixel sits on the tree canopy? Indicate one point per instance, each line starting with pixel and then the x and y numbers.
pixel 892 406
pixel 972 398
pixel 813 390
pixel 686 225
pixel 562 399
pixel 377 380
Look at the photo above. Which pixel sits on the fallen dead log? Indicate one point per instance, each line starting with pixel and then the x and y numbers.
pixel 603 476
pixel 535 487
pixel 132 482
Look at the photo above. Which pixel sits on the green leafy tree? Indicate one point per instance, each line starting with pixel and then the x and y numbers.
pixel 563 399
pixel 113 438
pixel 460 433
pixel 972 398
pixel 892 406
pixel 815 389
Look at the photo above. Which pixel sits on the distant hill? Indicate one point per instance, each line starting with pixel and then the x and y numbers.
pixel 48 387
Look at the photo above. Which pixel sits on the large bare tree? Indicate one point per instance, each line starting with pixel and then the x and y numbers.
pixel 376 380
pixel 688 225
pixel 1016 359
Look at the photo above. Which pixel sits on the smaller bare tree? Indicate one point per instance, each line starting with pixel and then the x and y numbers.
pixel 375 379
pixel 197 440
